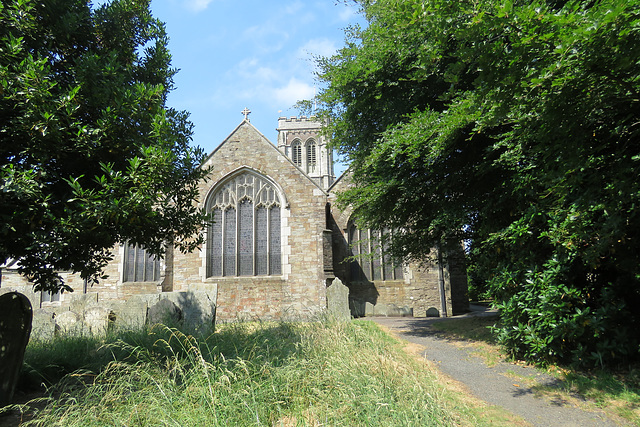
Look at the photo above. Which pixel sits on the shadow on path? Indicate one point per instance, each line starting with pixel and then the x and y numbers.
pixel 492 384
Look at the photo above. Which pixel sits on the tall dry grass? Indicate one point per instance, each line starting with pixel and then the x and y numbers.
pixel 322 373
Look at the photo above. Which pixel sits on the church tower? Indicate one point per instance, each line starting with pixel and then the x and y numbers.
pixel 299 138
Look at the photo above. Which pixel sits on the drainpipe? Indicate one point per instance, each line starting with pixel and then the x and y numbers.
pixel 443 295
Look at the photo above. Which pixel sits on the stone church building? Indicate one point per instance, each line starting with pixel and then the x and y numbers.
pixel 277 246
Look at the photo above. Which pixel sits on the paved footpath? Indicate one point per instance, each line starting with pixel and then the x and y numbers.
pixel 491 384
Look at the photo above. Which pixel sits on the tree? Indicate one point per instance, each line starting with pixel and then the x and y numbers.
pixel 513 126
pixel 90 155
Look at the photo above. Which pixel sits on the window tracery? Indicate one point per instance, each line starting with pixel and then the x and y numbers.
pixel 244 239
pixel 371 257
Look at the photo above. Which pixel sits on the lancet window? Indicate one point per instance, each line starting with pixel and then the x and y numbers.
pixel 244 239
pixel 371 258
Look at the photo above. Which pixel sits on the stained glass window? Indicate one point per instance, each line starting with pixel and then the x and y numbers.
pixel 262 239
pixel 354 241
pixel 229 238
pixel 376 261
pixel 215 241
pixel 371 260
pixel 140 266
pixel 245 234
pixel 386 262
pixel 245 237
pixel 274 241
pixel 49 296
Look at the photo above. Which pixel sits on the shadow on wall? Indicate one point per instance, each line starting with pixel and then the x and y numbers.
pixel 198 309
pixel 361 293
pixel 345 268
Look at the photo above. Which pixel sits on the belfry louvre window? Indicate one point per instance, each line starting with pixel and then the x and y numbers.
pixel 296 153
pixel 244 239
pixel 139 265
pixel 372 262
pixel 311 156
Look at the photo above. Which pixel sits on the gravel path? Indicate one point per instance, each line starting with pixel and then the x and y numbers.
pixel 491 384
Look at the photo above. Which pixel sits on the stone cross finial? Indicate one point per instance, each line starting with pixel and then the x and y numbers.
pixel 246 113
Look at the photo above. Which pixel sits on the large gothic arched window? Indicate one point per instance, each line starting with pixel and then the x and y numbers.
pixel 244 239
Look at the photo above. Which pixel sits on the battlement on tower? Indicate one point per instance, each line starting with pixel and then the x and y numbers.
pixel 299 123
pixel 300 138
pixel 297 119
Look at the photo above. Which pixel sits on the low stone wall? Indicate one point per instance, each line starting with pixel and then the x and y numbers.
pixel 194 308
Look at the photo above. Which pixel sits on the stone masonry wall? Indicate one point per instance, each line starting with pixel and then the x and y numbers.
pixel 300 291
pixel 457 269
pixel 412 296
pixel 425 283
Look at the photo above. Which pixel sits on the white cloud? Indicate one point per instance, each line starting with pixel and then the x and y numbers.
pixel 318 47
pixel 251 69
pixel 197 5
pixel 266 38
pixel 293 8
pixel 347 14
pixel 294 91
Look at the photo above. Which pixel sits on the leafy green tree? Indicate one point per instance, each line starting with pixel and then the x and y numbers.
pixel 90 155
pixel 514 125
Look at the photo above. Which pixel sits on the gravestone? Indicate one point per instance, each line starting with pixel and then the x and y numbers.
pixel 131 314
pixel 197 306
pixel 44 324
pixel 433 312
pixel 165 312
pixel 338 300
pixel 97 319
pixel 69 323
pixel 15 326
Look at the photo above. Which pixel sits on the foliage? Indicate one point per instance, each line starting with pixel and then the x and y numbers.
pixel 512 125
pixel 90 155
pixel 305 373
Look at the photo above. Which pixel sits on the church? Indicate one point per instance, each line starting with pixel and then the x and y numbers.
pixel 277 245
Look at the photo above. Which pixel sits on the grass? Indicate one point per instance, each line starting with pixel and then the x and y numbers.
pixel 617 393
pixel 277 374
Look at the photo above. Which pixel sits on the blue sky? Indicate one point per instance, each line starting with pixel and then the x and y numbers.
pixel 253 53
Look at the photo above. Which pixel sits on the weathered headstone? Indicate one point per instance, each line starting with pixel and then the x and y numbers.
pixel 433 312
pixel 197 306
pixel 69 323
pixel 44 324
pixel 132 313
pixel 15 326
pixel 338 300
pixel 165 312
pixel 81 302
pixel 97 319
